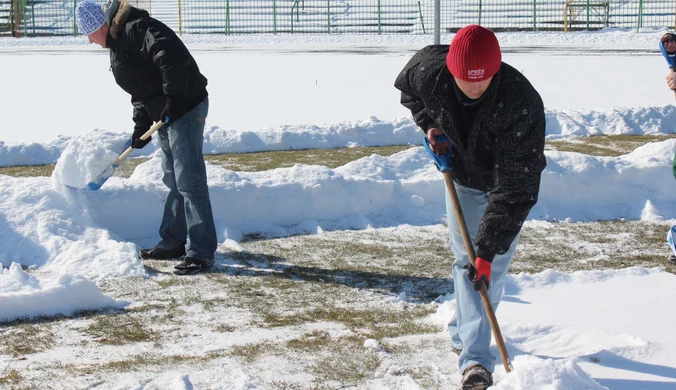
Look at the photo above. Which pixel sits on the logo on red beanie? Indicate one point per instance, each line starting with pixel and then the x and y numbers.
pixel 474 54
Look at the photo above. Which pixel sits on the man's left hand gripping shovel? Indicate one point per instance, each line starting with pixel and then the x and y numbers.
pixel 671 59
pixel 108 172
pixel 443 163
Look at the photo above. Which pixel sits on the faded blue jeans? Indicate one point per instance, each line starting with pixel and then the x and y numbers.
pixel 187 209
pixel 469 328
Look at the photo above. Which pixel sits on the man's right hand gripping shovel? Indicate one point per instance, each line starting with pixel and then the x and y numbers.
pixel 443 163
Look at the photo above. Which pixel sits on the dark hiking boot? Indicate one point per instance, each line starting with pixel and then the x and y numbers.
pixel 191 265
pixel 672 259
pixel 456 351
pixel 158 253
pixel 476 377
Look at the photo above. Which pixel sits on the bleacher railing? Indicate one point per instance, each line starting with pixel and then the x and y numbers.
pixel 56 17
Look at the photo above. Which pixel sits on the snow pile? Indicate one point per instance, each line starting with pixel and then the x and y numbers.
pixel 86 157
pixel 52 230
pixel 556 325
pixel 638 185
pixel 369 132
pixel 24 296
pixel 531 372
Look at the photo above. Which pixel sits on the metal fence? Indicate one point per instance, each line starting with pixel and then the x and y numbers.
pixel 56 17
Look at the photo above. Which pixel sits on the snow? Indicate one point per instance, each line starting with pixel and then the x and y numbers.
pixel 70 242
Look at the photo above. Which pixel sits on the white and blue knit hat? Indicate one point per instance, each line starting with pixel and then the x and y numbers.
pixel 88 16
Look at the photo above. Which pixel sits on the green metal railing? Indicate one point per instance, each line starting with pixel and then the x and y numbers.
pixel 55 17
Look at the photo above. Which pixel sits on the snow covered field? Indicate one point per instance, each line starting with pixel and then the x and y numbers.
pixel 292 314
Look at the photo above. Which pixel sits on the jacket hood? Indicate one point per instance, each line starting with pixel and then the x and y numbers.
pixel 118 12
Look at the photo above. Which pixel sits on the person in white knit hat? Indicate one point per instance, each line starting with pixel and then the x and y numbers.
pixel 153 65
pixel 90 20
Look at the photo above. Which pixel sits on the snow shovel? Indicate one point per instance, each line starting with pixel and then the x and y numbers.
pixel 108 172
pixel 442 162
pixel 671 59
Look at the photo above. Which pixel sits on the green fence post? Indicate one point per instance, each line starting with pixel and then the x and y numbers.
pixel 328 16
pixel 295 5
pixel 535 19
pixel 227 17
pixel 640 15
pixel 33 15
pixel 479 13
pixel 274 16
pixel 74 23
pixel 379 25
pixel 588 13
pixel 422 22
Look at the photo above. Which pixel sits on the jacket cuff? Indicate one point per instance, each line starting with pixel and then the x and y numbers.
pixel 485 254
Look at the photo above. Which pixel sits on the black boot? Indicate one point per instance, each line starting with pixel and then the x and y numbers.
pixel 158 253
pixel 476 377
pixel 191 265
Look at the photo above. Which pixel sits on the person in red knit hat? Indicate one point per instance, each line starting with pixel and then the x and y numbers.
pixel 495 122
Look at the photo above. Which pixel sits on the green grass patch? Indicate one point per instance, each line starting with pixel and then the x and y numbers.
pixel 225 328
pixel 332 158
pixel 605 145
pixel 310 342
pixel 11 377
pixel 377 323
pixel 592 246
pixel 348 363
pixel 252 351
pixel 26 339
pixel 141 361
pixel 119 329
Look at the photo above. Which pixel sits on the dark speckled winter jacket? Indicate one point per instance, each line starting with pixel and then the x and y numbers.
pixel 504 149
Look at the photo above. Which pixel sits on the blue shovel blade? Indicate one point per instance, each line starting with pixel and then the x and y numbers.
pixel 106 174
pixel 442 162
pixel 102 178
pixel 671 58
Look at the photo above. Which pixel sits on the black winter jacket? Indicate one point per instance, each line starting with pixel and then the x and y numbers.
pixel 504 149
pixel 151 63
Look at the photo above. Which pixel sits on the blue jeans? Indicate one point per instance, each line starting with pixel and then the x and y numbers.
pixel 187 209
pixel 469 328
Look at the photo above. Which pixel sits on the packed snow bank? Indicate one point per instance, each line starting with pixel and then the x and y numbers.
pixel 23 295
pixel 638 185
pixel 373 191
pixel 53 230
pixel 369 132
pixel 94 233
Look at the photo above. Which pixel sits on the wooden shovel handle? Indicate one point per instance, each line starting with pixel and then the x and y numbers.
pixel 469 247
pixel 144 137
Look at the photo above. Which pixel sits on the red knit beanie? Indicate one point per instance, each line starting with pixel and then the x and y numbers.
pixel 474 54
